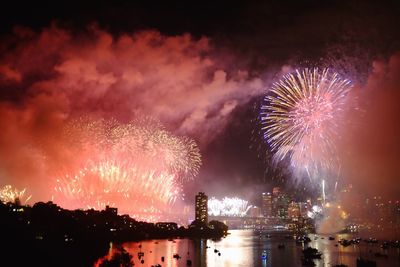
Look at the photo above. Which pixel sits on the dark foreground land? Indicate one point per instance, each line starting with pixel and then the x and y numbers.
pixel 47 235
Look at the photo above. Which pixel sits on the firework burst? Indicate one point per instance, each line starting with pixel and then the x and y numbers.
pixel 138 167
pixel 10 194
pixel 228 207
pixel 301 118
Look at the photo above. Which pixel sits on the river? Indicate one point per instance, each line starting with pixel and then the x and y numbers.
pixel 244 248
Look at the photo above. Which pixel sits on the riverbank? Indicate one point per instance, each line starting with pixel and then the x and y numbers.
pixel 48 235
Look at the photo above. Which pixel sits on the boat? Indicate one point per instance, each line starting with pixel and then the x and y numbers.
pixel 385 245
pixel 345 242
pixel 371 240
pixel 264 255
pixel 331 238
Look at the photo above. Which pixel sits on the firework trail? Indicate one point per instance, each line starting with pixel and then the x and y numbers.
pixel 10 194
pixel 228 207
pixel 301 119
pixel 138 167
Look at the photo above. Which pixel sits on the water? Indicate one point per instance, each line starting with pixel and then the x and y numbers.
pixel 244 248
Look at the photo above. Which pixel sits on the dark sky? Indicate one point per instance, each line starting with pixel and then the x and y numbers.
pixel 257 36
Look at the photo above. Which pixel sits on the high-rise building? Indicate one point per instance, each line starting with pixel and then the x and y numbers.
pixel 280 203
pixel 305 207
pixel 201 207
pixel 276 191
pixel 282 206
pixel 254 211
pixel 294 211
pixel 266 206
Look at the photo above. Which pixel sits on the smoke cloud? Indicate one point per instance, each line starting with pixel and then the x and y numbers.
pixel 369 154
pixel 51 76
pixel 370 150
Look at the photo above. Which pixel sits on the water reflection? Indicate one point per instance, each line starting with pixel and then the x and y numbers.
pixel 245 248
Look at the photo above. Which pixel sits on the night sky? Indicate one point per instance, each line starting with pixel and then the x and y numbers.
pixel 202 69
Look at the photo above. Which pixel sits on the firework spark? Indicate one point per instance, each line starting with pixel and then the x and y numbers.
pixel 228 207
pixel 301 117
pixel 10 194
pixel 138 167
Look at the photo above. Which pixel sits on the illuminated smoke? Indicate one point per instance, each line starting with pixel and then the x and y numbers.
pixel 228 207
pixel 137 167
pixel 10 194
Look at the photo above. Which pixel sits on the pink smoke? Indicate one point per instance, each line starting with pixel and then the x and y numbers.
pixel 54 75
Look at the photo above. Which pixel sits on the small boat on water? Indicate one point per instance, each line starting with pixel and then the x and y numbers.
pixel 331 238
pixel 264 255
pixel 371 240
pixel 385 245
pixel 345 242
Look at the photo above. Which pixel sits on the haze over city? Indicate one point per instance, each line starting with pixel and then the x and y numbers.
pixel 140 107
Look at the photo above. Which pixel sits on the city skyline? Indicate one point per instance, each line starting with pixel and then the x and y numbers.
pixel 200 133
pixel 100 109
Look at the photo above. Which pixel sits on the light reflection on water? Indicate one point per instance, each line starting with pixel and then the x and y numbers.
pixel 244 248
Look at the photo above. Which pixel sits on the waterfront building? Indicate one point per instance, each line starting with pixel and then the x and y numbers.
pixel 266 207
pixel 201 208
pixel 294 211
pixel 254 211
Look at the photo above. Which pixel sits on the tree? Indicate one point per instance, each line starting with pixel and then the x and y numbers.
pixel 219 227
